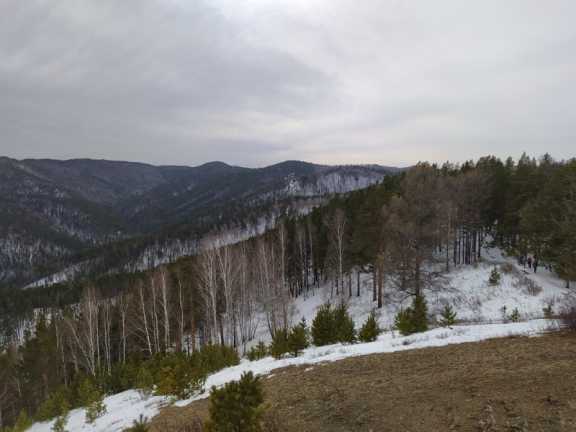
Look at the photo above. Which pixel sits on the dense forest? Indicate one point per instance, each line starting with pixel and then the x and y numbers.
pixel 403 232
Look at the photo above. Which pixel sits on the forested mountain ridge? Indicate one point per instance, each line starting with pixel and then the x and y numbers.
pixel 399 239
pixel 58 213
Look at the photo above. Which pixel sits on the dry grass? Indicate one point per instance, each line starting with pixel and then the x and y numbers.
pixel 504 385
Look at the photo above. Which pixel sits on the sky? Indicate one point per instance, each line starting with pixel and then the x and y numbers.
pixel 254 82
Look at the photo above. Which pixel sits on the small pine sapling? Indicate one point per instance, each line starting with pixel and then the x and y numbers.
pixel 54 405
pixel 236 407
pixel 63 409
pixel 420 314
pixel 447 317
pixel 515 315
pixel 495 277
pixel 257 352
pixel 93 399
pixel 370 329
pixel 413 319
pixel 344 325
pixel 60 424
pixel 298 339
pixel 323 327
pixel 145 381
pixel 403 321
pixel 61 421
pixel 140 425
pixel 168 383
pixel 22 423
pixel 279 345
pixel 504 312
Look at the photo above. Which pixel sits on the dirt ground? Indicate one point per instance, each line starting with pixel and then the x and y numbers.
pixel 501 385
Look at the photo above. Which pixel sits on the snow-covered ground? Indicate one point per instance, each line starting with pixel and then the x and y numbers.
pixel 465 288
pixel 477 303
pixel 126 407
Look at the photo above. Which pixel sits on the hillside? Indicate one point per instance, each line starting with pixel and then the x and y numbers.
pixel 388 372
pixel 442 255
pixel 58 213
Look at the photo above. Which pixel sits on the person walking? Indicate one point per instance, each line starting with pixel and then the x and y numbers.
pixel 535 264
pixel 529 262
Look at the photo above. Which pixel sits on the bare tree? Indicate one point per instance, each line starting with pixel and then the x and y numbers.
pixel 337 230
pixel 181 320
pixel 84 332
pixel 274 297
pixel 106 330
pixel 227 273
pixel 162 280
pixel 208 286
pixel 246 298
pixel 141 320
pixel 123 302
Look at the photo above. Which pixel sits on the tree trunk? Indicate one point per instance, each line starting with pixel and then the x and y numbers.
pixel 374 276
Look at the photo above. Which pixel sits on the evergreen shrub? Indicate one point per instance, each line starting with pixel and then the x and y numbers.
pixel 413 319
pixel 370 329
pixel 236 407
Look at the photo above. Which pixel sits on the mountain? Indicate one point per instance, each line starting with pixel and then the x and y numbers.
pixel 55 213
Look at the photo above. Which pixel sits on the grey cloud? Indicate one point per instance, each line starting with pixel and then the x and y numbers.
pixel 87 77
pixel 253 82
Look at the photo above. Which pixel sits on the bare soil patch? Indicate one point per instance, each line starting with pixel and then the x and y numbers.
pixel 501 385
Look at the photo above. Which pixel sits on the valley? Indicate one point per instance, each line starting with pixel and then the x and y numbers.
pixel 91 213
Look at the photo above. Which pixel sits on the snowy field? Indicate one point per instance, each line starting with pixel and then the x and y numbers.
pixel 477 303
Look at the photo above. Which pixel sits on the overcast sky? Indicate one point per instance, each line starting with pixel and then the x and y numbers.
pixel 253 82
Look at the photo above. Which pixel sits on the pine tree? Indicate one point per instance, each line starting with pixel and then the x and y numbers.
pixel 548 311
pixel 403 321
pixel 257 352
pixel 370 329
pixel 420 317
pixel 236 406
pixel 167 383
pixel 298 338
pixel 494 277
pixel 140 425
pixel 23 422
pixel 448 316
pixel 60 422
pixel 56 405
pixel 279 345
pixel 92 399
pixel 344 325
pixel 515 315
pixel 323 326
pixel 145 381
pixel 413 319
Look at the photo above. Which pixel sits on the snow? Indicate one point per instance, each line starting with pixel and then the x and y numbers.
pixel 126 407
pixel 386 343
pixel 122 409
pixel 331 183
pixel 466 288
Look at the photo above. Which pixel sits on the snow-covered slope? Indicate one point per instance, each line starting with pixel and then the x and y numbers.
pixel 124 408
pixel 478 304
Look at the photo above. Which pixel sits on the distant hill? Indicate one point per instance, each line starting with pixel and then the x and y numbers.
pixel 53 211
